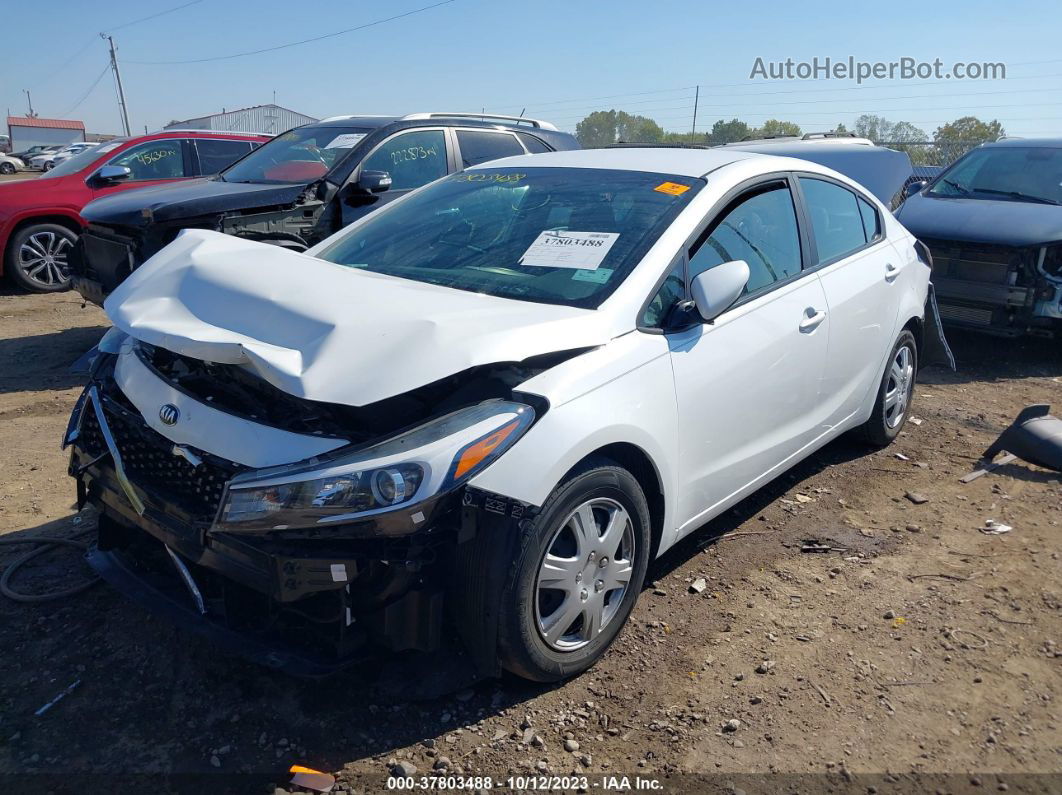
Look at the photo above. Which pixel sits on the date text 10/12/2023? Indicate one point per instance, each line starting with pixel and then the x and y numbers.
pixel 528 783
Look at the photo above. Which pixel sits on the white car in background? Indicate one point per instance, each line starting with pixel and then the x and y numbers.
pixel 50 160
pixel 9 164
pixel 483 410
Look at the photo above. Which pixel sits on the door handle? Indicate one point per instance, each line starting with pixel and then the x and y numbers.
pixel 812 318
pixel 891 272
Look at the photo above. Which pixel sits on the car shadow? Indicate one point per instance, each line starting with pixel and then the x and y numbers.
pixel 43 362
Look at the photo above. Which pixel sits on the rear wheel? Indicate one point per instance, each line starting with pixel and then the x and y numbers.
pixel 7 168
pixel 577 575
pixel 37 257
pixel 893 404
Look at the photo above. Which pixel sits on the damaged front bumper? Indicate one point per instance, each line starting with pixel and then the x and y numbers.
pixel 304 601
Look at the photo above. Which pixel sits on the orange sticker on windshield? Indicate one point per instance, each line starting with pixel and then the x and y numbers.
pixel 672 188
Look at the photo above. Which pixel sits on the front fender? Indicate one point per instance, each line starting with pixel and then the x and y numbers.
pixel 635 407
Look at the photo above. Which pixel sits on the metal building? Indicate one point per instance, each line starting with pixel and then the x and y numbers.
pixel 27 131
pixel 267 119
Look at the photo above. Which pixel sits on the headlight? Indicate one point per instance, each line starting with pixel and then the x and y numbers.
pixel 431 459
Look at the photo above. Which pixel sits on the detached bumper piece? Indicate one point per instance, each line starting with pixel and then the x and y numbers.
pixel 307 606
pixel 1035 436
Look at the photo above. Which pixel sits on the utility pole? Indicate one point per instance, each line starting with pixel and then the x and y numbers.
pixel 696 99
pixel 29 101
pixel 118 83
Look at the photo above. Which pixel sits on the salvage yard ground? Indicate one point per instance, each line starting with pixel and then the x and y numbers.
pixel 918 644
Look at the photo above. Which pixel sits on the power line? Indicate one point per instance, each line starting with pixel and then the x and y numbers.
pixel 92 40
pixel 85 96
pixel 152 16
pixel 805 90
pixel 840 112
pixel 301 41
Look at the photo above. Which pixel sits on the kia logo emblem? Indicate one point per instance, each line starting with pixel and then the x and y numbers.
pixel 169 414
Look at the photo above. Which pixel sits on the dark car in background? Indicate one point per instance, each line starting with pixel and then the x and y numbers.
pixel 302 186
pixel 41 218
pixel 993 223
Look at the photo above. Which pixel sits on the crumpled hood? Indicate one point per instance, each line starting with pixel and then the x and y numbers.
pixel 1007 223
pixel 185 199
pixel 325 332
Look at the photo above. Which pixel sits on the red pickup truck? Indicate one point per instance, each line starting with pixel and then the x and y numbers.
pixel 41 218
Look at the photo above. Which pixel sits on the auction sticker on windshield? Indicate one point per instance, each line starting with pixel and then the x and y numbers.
pixel 579 250
pixel 345 141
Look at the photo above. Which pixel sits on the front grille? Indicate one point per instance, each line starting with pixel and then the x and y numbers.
pixel 151 465
pixel 105 258
pixel 979 262
pixel 979 273
pixel 966 314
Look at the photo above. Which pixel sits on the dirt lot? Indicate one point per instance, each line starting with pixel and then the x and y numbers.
pixel 919 646
pixel 19 175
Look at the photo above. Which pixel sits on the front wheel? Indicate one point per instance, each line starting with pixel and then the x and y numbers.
pixel 577 575
pixel 37 258
pixel 7 168
pixel 893 404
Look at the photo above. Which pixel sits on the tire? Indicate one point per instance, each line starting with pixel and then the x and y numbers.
pixel 7 168
pixel 892 406
pixel 48 165
pixel 36 258
pixel 547 634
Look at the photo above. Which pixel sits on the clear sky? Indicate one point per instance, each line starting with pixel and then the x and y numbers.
pixel 559 59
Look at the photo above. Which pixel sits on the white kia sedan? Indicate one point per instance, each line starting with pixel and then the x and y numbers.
pixel 478 414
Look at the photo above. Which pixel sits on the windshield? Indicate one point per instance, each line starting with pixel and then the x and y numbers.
pixel 300 155
pixel 553 235
pixel 1030 173
pixel 82 159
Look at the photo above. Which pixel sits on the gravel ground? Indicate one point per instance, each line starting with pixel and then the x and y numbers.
pixel 916 646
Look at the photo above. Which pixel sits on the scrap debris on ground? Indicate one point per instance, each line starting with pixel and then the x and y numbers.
pixel 911 642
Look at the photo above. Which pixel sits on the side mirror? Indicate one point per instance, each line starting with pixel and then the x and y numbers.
pixel 914 187
pixel 716 289
pixel 112 175
pixel 373 182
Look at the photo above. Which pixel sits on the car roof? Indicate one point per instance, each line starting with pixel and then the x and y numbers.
pixel 435 119
pixel 664 160
pixel 347 121
pixel 1038 143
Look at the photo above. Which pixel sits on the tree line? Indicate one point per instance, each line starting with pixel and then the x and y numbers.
pixel 605 127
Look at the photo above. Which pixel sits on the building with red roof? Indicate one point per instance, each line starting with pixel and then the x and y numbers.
pixel 27 131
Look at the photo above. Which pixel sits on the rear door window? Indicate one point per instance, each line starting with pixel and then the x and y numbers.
pixel 479 147
pixel 871 222
pixel 533 144
pixel 412 159
pixel 217 154
pixel 835 219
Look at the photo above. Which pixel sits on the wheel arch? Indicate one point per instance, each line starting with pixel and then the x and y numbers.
pixel 641 466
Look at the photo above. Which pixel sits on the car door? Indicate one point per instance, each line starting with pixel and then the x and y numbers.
pixel 747 383
pixel 150 163
pixel 859 270
pixel 413 158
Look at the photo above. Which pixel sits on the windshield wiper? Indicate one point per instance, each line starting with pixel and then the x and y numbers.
pixel 1014 194
pixel 961 188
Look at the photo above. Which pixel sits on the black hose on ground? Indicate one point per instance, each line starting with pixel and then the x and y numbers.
pixel 42 545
